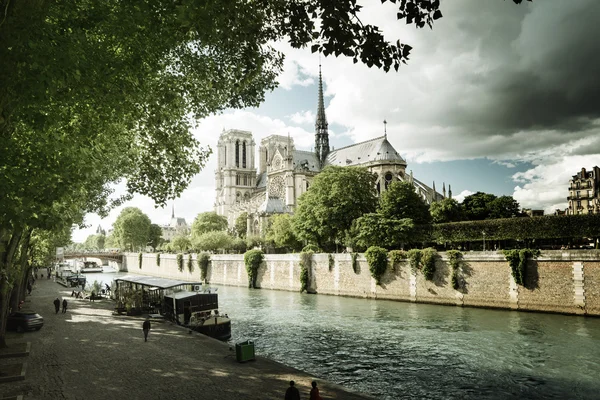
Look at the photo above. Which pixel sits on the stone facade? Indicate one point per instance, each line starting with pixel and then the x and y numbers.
pixel 584 192
pixel 559 281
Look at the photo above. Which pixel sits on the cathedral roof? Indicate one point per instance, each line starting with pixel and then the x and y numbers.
pixel 261 180
pixel 273 205
pixel 378 149
pixel 305 160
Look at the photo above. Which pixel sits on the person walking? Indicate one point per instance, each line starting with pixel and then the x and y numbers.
pixel 56 305
pixel 292 392
pixel 314 392
pixel 146 328
pixel 64 309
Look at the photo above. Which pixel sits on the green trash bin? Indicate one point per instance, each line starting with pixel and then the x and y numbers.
pixel 244 351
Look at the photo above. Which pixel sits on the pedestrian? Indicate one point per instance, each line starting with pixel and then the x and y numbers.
pixel 292 392
pixel 146 328
pixel 314 392
pixel 64 306
pixel 56 305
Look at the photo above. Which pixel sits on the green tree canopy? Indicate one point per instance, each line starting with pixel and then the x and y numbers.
pixel 241 225
pixel 446 210
pixel 131 229
pixel 374 229
pixel 476 206
pixel 180 243
pixel 281 232
pixel 95 242
pixel 208 222
pixel 213 241
pixel 336 197
pixel 401 201
pixel 155 236
pixel 503 207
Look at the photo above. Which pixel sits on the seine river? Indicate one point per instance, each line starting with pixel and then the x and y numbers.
pixel 395 350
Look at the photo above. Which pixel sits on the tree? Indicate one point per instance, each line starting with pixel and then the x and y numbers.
pixel 95 242
pixel 337 196
pixel 476 206
pixel 155 236
pixel 375 230
pixel 208 222
pixel 181 243
pixel 401 201
pixel 281 232
pixel 212 241
pixel 131 229
pixel 503 207
pixel 446 210
pixel 241 225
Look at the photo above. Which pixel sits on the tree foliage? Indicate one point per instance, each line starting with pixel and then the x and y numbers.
pixel 401 201
pixel 336 197
pixel 131 229
pixel 212 241
pixel 252 260
pixel 95 242
pixel 208 222
pixel 181 243
pixel 155 236
pixel 281 232
pixel 373 229
pixel 446 210
pixel 241 225
pixel 377 259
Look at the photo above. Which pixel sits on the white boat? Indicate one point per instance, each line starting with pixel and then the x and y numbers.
pixel 90 266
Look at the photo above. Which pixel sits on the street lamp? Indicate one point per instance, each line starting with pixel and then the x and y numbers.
pixel 483 233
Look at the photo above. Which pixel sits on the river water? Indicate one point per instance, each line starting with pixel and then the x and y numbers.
pixel 396 350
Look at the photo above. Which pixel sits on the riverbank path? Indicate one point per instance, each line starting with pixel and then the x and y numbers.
pixel 89 354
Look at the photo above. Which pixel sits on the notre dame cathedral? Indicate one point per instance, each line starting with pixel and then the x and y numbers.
pixel 284 173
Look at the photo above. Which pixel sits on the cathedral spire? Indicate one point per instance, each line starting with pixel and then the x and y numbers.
pixel 449 192
pixel 173 211
pixel 321 133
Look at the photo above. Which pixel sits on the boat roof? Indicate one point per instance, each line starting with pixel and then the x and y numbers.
pixel 161 283
pixel 183 294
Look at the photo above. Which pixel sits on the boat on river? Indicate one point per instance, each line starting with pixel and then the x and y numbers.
pixel 199 311
pixel 90 266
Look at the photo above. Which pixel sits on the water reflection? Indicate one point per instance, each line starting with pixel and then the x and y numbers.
pixel 398 350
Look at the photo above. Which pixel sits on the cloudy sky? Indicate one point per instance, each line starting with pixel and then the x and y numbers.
pixel 498 98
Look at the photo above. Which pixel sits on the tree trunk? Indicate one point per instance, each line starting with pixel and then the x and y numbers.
pixel 19 283
pixel 9 242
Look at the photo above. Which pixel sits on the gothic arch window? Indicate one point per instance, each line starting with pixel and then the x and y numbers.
pixel 266 155
pixel 244 154
pixel 378 188
pixel 237 179
pixel 238 197
pixel 237 153
pixel 246 196
pixel 388 179
pixel 225 155
pixel 245 180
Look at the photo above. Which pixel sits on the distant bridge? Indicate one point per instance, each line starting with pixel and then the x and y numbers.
pixel 102 255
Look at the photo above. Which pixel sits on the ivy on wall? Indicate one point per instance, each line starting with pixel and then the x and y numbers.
pixel 355 262
pixel 140 258
pixel 158 259
pixel 305 264
pixel 203 261
pixel 331 262
pixel 378 261
pixel 253 259
pixel 180 262
pixel 429 256
pixel 455 259
pixel 414 260
pixel 517 260
pixel 190 263
pixel 396 257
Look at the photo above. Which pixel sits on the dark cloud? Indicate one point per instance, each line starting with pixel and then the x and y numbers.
pixel 537 67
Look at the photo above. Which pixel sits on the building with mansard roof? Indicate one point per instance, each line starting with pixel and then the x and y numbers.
pixel 176 227
pixel 584 192
pixel 273 182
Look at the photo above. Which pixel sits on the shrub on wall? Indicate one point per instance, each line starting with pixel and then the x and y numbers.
pixel 395 257
pixel 158 259
pixel 180 262
pixel 190 263
pixel 517 260
pixel 140 258
pixel 454 259
pixel 203 261
pixel 253 259
pixel 331 262
pixel 377 259
pixel 414 259
pixel 312 247
pixel 429 255
pixel 305 264
pixel 355 262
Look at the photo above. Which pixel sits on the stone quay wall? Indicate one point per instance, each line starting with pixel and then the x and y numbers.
pixel 558 281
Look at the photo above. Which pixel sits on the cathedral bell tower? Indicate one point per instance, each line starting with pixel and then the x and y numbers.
pixel 321 133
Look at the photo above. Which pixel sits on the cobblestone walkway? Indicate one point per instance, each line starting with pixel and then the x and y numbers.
pixel 88 353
